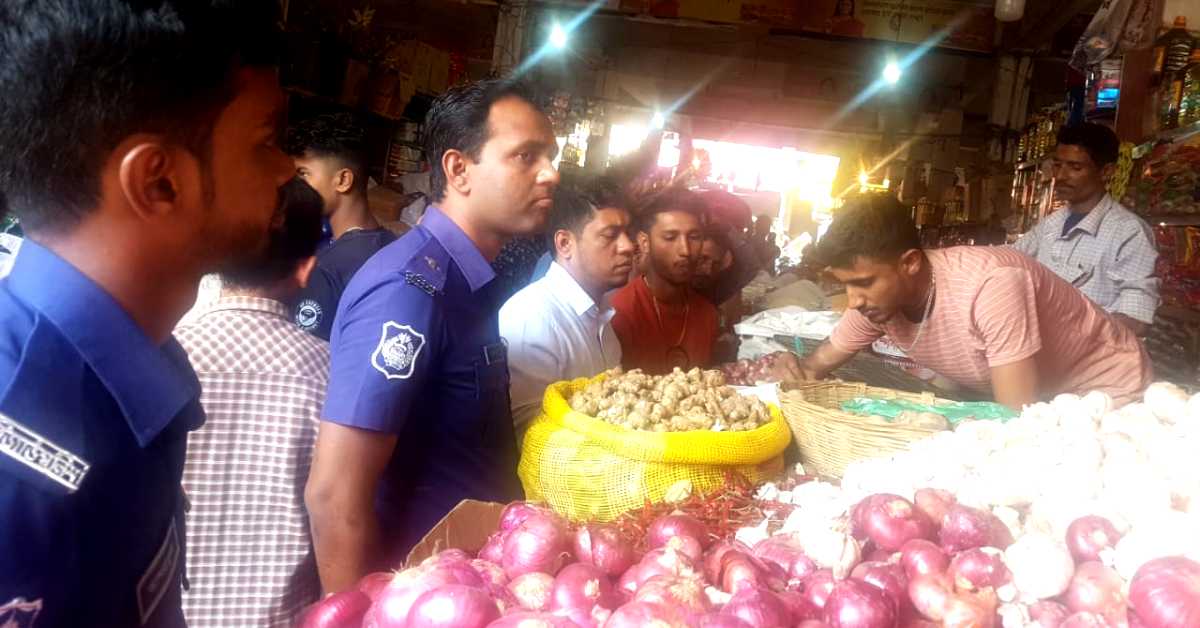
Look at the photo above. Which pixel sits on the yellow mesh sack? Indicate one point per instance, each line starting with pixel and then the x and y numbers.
pixel 589 469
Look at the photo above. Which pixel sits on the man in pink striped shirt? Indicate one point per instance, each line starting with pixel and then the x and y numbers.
pixel 988 318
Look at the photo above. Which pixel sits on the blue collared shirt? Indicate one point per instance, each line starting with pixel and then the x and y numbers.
pixel 417 352
pixel 92 440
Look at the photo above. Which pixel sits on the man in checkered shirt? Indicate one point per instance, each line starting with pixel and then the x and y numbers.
pixel 250 560
pixel 1096 244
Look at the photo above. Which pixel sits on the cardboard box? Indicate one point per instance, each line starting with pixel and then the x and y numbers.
pixel 467 526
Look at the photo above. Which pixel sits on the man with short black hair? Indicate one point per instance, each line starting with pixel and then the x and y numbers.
pixel 987 318
pixel 1096 244
pixel 331 156
pixel 139 153
pixel 559 327
pixel 661 321
pixel 263 383
pixel 418 392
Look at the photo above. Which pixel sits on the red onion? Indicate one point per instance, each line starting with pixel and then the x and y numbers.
pixel 1165 592
pixel 489 571
pixel 719 620
pixel 340 610
pixel 1047 614
pixel 534 591
pixel 920 557
pixel 1094 588
pixel 817 588
pixel 856 604
pixel 931 595
pixel 452 555
pixel 395 601
pixel 978 568
pixel 657 562
pixel 798 605
pixel 453 606
pixel 886 577
pixel 582 586
pixel 812 623
pixel 603 546
pixel 918 622
pixel 584 618
pixel 1085 620
pixel 934 503
pixel 493 549
pixel 668 526
pixel 971 611
pixel 529 619
pixel 639 614
pixel 878 555
pixel 373 584
pixel 740 572
pixel 890 521
pixel 504 598
pixel 631 580
pixel 759 608
pixel 539 543
pixel 517 512
pixel 684 593
pixel 714 558
pixel 965 528
pixel 686 545
pixel 785 552
pixel 1090 535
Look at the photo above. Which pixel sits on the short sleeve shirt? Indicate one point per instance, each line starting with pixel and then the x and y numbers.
pixel 336 265
pixel 994 306
pixel 657 337
pixel 94 419
pixel 416 352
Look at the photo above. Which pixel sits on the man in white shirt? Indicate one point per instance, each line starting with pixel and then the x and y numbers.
pixel 1096 244
pixel 559 327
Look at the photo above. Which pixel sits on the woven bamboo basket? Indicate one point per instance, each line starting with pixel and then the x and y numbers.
pixel 829 438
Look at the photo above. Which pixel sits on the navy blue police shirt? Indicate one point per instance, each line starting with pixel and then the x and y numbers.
pixel 94 419
pixel 336 264
pixel 417 353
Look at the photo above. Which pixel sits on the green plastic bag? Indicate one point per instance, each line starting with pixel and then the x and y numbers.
pixel 954 412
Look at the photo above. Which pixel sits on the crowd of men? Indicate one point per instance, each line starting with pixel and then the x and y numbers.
pixel 306 464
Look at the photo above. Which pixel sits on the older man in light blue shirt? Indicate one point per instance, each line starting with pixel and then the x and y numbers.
pixel 1096 244
pixel 559 327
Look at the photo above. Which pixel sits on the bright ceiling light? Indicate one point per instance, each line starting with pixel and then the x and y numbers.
pixel 863 179
pixel 558 37
pixel 659 120
pixel 892 72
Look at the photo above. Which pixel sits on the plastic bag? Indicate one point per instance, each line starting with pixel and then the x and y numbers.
pixel 890 409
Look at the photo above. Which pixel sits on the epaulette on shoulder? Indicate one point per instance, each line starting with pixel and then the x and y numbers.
pixel 426 269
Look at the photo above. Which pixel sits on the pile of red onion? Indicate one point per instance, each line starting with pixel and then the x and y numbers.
pixel 931 562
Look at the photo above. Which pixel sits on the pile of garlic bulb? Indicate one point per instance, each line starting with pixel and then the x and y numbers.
pixel 1136 466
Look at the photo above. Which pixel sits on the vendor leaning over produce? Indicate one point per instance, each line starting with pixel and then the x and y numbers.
pixel 418 414
pixel 1096 244
pixel 987 318
pixel 560 326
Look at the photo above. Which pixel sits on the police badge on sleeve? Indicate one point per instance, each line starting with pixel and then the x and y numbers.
pixel 399 347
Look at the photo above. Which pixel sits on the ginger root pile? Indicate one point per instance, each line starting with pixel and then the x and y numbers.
pixel 679 402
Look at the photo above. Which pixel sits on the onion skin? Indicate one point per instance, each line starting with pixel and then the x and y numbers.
pixel 740 572
pixel 1165 592
pixel 934 503
pixel 490 572
pixel 966 528
pixel 1088 536
pixel 493 550
pixel 921 558
pixel 856 604
pixel 684 593
pixel 1085 620
pixel 1094 588
pixel 971 611
pixel 976 569
pixel 785 553
pixel 474 608
pixel 1048 614
pixel 582 586
pixel 534 591
pixel 720 620
pixel 890 521
pixel 686 545
pixel 524 619
pixel 668 526
pixel 888 578
pixel 931 595
pixel 760 608
pixel 603 546
pixel 517 512
pixel 638 614
pixel 539 543
pixel 714 558
pixel 373 584
pixel 340 610
pixel 817 588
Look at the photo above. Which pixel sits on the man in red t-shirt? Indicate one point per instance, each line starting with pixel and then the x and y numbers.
pixel 660 320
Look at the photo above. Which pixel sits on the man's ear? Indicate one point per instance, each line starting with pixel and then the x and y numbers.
pixel 1107 172
pixel 303 271
pixel 149 179
pixel 343 181
pixel 910 262
pixel 564 243
pixel 454 164
pixel 643 240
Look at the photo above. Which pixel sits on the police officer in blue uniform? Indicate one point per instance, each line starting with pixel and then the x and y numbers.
pixel 132 177
pixel 417 416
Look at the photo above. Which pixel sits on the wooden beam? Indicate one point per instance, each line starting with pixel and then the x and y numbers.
pixel 1038 32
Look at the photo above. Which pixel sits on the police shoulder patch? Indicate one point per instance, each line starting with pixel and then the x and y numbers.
pixel 39 453
pixel 398 350
pixel 308 314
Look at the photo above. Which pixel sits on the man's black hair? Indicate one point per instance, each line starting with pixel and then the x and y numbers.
pixel 458 120
pixel 1099 141
pixel 333 135
pixel 77 77
pixel 870 225
pixel 294 241
pixel 576 205
pixel 669 201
